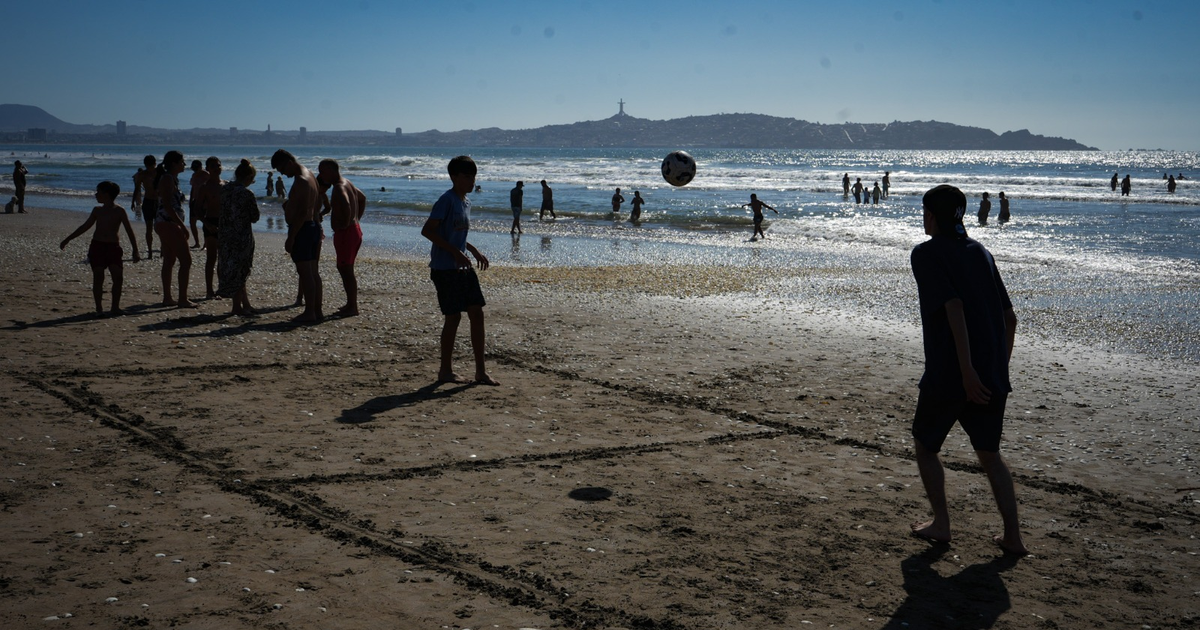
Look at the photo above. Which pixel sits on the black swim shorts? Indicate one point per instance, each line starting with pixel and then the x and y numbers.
pixel 307 245
pixel 149 210
pixel 212 226
pixel 457 289
pixel 936 416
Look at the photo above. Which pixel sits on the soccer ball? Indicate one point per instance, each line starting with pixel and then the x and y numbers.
pixel 678 168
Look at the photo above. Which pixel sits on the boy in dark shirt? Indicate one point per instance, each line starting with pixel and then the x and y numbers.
pixel 450 270
pixel 968 325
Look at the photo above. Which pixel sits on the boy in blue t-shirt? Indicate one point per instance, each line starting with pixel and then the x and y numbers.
pixel 968 324
pixel 451 271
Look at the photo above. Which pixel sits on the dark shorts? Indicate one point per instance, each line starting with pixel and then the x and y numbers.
pixel 307 246
pixel 516 212
pixel 936 416
pixel 212 226
pixel 149 210
pixel 457 289
pixel 104 255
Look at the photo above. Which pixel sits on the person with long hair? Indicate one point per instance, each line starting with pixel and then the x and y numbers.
pixel 171 226
pixel 235 240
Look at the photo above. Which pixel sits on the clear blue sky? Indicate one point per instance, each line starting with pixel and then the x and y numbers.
pixel 1109 73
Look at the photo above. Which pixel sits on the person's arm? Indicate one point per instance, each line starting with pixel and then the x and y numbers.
pixel 1010 329
pixel 87 225
pixel 481 261
pixel 129 231
pixel 362 202
pixel 431 232
pixel 976 391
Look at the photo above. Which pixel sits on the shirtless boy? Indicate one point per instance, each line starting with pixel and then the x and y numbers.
pixel 547 202
pixel 145 179
pixel 302 211
pixel 199 176
pixel 757 207
pixel 206 207
pixel 617 200
pixel 19 173
pixel 105 250
pixel 347 205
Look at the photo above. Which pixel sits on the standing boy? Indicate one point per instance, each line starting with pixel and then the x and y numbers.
pixel 617 200
pixel 516 199
pixel 302 211
pixel 145 179
pixel 547 202
pixel 19 173
pixel 635 214
pixel 968 327
pixel 105 250
pixel 450 270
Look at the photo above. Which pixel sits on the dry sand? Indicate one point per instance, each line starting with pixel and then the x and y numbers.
pixel 664 452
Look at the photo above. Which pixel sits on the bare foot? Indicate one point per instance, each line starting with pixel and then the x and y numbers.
pixel 168 302
pixel 116 312
pixel 306 318
pixel 185 303
pixel 297 303
pixel 347 311
pixel 482 378
pixel 927 531
pixel 1016 549
pixel 451 377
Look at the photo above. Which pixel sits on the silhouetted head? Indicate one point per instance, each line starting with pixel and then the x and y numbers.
pixel 945 205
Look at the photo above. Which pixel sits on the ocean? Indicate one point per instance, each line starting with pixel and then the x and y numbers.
pixel 1083 263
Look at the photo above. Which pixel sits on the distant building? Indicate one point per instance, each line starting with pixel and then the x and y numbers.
pixel 232 131
pixel 622 104
pixel 35 134
pixel 397 131
pixel 303 134
pixel 120 127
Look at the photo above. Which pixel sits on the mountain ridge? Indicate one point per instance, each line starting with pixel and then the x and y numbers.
pixel 759 131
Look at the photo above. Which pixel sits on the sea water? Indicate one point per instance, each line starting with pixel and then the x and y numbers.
pixel 1081 260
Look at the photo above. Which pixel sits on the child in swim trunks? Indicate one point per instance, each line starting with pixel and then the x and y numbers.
pixel 105 251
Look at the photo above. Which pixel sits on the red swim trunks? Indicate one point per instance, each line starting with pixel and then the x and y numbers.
pixel 104 255
pixel 346 242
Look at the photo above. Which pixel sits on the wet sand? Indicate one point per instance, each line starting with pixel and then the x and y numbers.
pixel 667 449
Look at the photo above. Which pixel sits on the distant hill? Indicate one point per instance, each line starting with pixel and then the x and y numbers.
pixel 716 131
pixel 22 117
pixel 748 131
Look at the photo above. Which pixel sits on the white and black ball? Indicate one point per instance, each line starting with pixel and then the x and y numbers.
pixel 678 168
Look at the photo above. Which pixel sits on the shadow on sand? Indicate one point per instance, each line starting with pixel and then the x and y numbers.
pixel 367 411
pixel 975 597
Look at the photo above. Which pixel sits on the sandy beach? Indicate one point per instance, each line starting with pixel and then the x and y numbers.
pixel 669 448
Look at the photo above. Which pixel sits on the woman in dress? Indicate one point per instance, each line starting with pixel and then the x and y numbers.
pixel 235 241
pixel 170 223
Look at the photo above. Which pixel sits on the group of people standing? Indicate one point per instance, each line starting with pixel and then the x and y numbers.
pixel 862 194
pixel 985 208
pixel 516 201
pixel 227 211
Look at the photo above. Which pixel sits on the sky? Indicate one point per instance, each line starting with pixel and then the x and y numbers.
pixel 1113 74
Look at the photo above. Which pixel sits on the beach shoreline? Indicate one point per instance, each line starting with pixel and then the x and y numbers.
pixel 754 451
